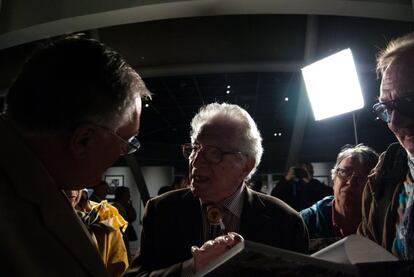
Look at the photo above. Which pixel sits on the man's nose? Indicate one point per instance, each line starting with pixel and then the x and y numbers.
pixel 198 158
pixel 351 180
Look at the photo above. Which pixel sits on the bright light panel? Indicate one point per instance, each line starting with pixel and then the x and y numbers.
pixel 332 85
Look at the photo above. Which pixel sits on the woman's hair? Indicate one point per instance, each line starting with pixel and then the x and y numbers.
pixel 365 155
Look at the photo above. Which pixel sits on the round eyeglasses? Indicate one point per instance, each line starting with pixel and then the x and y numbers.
pixel 211 154
pixel 346 175
pixel 404 105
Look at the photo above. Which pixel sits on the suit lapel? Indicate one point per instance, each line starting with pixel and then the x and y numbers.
pixel 252 217
pixel 192 223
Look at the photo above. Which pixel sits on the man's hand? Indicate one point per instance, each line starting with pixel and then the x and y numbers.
pixel 212 249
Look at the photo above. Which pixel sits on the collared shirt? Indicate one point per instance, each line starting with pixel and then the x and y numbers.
pixel 233 206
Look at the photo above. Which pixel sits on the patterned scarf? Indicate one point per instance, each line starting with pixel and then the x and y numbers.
pixel 408 220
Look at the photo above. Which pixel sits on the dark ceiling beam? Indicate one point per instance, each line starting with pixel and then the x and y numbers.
pixel 214 68
pixel 18 25
pixel 302 111
pixel 233 67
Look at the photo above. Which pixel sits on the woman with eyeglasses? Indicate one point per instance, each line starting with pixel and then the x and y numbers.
pixel 339 215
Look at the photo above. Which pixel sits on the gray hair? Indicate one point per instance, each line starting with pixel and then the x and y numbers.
pixel 365 155
pixel 71 81
pixel 395 49
pixel 249 138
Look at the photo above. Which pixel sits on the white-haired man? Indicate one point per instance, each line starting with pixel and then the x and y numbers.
pixel 225 150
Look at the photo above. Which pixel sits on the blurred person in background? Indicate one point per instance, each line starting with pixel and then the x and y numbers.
pixel 105 225
pixel 100 191
pixel 124 205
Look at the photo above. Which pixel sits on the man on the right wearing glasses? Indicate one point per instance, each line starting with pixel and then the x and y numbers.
pixel 387 208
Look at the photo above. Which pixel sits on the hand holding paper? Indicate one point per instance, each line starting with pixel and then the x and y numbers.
pixel 213 248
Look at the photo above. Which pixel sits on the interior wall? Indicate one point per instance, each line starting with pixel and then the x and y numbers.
pixel 322 172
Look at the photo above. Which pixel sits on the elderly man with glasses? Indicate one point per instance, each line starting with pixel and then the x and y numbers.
pixel 339 215
pixel 72 111
pixel 225 150
pixel 388 210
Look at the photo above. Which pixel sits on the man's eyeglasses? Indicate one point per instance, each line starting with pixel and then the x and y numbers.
pixel 132 143
pixel 346 175
pixel 404 105
pixel 211 154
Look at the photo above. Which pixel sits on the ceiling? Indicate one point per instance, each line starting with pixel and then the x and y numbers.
pixel 190 60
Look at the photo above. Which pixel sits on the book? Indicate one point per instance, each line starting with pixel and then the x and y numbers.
pixel 352 256
pixel 354 249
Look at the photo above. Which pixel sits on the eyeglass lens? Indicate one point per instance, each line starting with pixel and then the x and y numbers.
pixel 347 175
pixel 404 105
pixel 210 154
pixel 133 145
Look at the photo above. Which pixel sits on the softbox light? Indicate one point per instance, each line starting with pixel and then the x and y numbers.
pixel 332 85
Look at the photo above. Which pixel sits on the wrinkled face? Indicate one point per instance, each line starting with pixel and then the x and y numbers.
pixel 213 182
pixel 398 81
pixel 349 182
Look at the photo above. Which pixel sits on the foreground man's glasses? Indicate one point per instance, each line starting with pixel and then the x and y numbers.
pixel 211 154
pixel 132 143
pixel 404 105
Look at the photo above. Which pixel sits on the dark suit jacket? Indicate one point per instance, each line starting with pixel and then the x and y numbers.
pixel 172 224
pixel 40 235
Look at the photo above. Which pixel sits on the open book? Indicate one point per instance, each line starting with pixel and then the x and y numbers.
pixel 351 256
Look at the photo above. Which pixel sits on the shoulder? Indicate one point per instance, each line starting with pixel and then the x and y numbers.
pixel 171 199
pixel 319 207
pixel 271 205
pixel 391 168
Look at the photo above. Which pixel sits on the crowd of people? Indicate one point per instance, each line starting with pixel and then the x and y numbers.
pixel 76 107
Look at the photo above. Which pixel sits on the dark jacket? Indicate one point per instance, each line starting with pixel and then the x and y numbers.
pixel 380 196
pixel 300 195
pixel 40 235
pixel 318 219
pixel 172 223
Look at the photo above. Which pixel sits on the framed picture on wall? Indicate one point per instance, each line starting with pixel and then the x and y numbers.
pixel 114 181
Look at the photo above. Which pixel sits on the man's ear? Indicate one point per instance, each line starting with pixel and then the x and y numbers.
pixel 248 166
pixel 82 140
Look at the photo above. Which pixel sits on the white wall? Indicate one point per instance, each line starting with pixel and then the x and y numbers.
pixel 322 172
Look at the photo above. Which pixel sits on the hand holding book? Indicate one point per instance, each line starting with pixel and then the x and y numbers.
pixel 212 249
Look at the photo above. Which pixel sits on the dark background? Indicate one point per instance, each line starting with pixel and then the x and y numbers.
pixel 188 62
